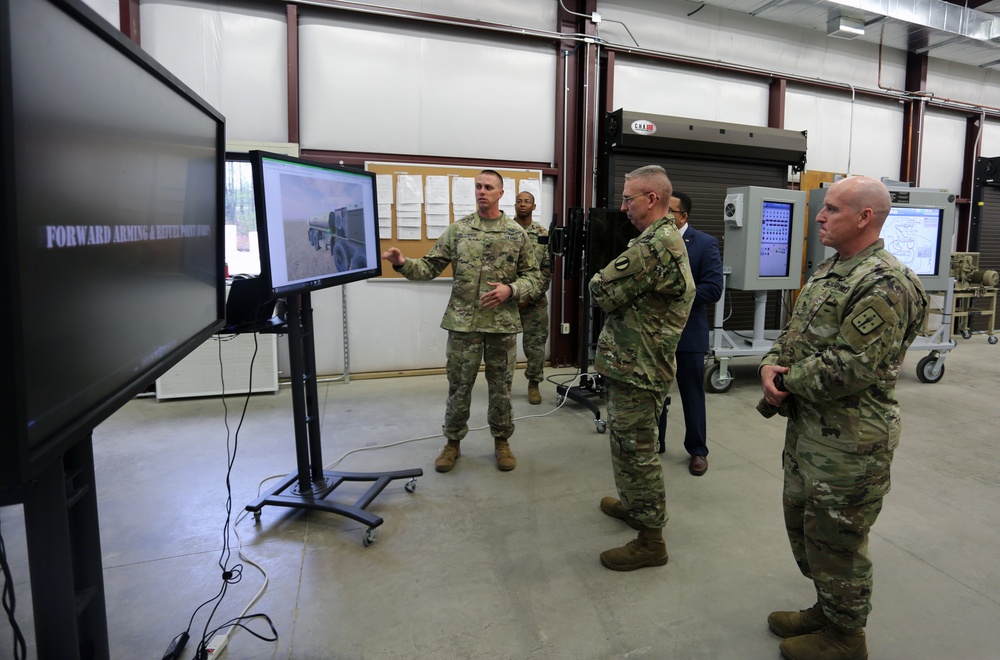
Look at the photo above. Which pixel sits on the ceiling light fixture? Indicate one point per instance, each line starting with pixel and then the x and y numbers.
pixel 844 26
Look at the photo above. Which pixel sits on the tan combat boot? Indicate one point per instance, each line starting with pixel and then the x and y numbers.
pixel 446 459
pixel 505 459
pixel 613 507
pixel 534 396
pixel 648 549
pixel 830 643
pixel 793 624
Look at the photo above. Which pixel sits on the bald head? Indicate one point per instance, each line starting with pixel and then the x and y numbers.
pixel 853 213
pixel 865 192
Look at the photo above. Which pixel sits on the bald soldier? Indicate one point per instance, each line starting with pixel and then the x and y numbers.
pixel 494 268
pixel 535 310
pixel 832 373
pixel 646 293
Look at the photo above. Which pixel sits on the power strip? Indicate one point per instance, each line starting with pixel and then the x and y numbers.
pixel 216 646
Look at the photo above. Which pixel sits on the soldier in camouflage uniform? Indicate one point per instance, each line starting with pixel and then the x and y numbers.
pixel 832 373
pixel 535 310
pixel 647 293
pixel 494 268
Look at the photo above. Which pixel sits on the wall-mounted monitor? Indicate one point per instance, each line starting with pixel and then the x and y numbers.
pixel 318 224
pixel 764 230
pixel 111 190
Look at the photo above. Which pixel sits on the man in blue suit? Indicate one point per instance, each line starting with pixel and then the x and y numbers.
pixel 706 267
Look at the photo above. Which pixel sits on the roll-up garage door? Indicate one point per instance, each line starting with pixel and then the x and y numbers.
pixel 706 181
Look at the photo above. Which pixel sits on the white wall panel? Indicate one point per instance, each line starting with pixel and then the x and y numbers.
pixel 108 9
pixel 234 57
pixel 368 87
pixel 719 35
pixel 943 146
pixel 991 139
pixel 960 82
pixel 868 144
pixel 535 14
pixel 663 90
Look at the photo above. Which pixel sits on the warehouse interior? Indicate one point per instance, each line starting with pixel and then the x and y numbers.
pixel 478 563
pixel 475 563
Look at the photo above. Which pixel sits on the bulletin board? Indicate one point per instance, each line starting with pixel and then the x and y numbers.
pixel 417 202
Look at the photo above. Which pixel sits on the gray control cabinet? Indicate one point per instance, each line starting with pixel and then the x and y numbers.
pixel 764 231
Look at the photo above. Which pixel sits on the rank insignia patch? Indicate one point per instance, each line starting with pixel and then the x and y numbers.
pixel 621 263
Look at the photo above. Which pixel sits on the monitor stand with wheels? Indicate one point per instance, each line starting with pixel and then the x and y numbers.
pixel 309 486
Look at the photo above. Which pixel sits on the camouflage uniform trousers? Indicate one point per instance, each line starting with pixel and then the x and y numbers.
pixel 633 415
pixel 831 499
pixel 535 321
pixel 465 352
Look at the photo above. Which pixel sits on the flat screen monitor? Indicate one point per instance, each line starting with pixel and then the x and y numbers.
pixel 318 224
pixel 775 238
pixel 913 235
pixel 111 176
pixel 242 248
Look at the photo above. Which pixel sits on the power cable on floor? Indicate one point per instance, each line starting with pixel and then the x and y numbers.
pixel 221 641
pixel 9 602
pixel 210 643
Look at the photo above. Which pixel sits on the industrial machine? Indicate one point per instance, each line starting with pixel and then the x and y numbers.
pixel 975 294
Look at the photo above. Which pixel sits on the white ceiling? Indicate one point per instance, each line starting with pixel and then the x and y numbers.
pixel 944 30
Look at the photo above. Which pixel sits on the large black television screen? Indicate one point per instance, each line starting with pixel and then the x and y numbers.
pixel 111 184
pixel 318 224
pixel 608 235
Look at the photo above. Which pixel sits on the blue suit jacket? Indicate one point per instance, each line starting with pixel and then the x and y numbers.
pixel 706 268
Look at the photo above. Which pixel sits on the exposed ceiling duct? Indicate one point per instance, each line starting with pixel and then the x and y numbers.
pixel 966 34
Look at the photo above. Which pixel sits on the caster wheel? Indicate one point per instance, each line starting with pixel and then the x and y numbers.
pixel 714 384
pixel 926 368
pixel 369 536
pixel 602 425
pixel 256 516
pixel 411 485
pixel 992 339
pixel 967 334
pixel 560 399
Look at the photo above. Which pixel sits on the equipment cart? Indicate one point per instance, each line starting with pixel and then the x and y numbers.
pixel 726 345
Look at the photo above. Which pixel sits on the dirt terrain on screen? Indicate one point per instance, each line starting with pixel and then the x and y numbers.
pixel 305 261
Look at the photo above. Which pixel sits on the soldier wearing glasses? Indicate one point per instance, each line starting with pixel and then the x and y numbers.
pixel 647 293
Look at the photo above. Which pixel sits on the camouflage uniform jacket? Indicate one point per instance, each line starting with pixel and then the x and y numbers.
pixel 844 346
pixel 479 252
pixel 535 231
pixel 647 294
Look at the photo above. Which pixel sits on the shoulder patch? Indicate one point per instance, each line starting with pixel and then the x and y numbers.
pixel 873 320
pixel 867 320
pixel 622 262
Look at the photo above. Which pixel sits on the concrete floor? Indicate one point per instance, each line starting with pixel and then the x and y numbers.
pixel 482 564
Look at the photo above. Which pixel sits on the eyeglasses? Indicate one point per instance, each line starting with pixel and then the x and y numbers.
pixel 628 200
pixel 677 211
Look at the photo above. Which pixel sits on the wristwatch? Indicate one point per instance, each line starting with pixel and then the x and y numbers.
pixel 779 383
